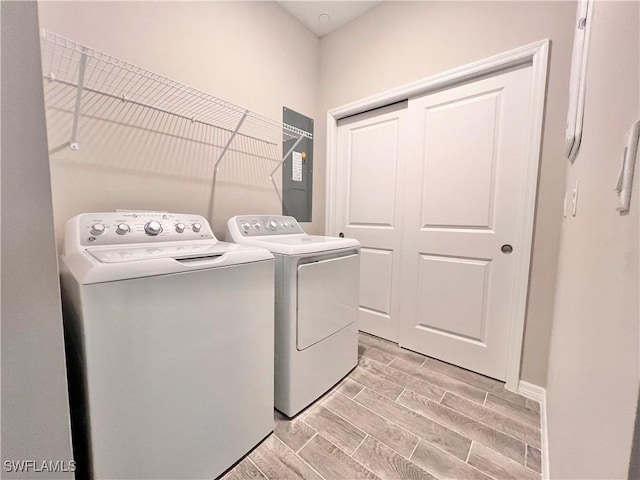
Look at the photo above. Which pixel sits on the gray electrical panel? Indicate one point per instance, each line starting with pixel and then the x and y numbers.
pixel 297 169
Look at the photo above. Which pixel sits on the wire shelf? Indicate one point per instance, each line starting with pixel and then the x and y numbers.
pixel 94 87
pixel 71 63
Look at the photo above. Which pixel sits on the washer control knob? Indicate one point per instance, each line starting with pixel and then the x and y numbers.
pixel 122 229
pixel 97 229
pixel 196 227
pixel 272 226
pixel 285 224
pixel 246 226
pixel 257 226
pixel 180 227
pixel 153 228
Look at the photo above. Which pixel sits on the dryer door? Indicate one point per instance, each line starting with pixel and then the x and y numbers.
pixel 327 298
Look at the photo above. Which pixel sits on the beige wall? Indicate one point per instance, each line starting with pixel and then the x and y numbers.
pixel 253 54
pixel 399 42
pixel 592 386
pixel 35 405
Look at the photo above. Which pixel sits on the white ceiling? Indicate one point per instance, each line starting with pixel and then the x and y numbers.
pixel 339 12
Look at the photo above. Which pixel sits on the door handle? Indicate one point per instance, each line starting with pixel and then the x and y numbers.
pixel 341 235
pixel 506 249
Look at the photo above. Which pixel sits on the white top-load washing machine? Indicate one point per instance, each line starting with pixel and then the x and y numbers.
pixel 169 338
pixel 317 289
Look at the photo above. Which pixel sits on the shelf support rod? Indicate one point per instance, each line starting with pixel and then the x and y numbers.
pixel 73 143
pixel 276 188
pixel 275 185
pixel 226 147
pixel 285 157
pixel 216 168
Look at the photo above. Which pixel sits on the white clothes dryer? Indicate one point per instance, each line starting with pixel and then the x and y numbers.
pixel 316 304
pixel 169 339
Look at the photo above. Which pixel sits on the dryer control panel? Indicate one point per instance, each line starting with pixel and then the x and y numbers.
pixel 118 228
pixel 261 225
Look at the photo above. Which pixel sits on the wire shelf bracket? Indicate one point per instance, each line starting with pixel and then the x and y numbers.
pixel 285 156
pixel 82 68
pixel 275 185
pixel 216 167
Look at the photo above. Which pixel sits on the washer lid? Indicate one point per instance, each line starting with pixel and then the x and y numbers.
pixel 131 253
pixel 299 244
pixel 108 264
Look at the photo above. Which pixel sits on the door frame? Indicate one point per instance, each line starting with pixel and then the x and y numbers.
pixel 535 55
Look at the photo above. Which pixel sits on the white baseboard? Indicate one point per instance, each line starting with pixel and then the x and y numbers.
pixel 539 394
pixel 531 391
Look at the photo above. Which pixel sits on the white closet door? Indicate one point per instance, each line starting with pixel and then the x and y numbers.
pixel 465 172
pixel 370 178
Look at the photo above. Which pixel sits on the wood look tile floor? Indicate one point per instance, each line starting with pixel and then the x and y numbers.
pixel 401 415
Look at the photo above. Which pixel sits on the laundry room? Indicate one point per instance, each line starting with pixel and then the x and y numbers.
pixel 264 239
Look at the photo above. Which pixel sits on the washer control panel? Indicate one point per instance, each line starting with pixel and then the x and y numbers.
pixel 117 228
pixel 261 225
